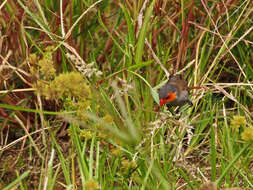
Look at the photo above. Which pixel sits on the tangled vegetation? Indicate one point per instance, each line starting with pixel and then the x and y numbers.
pixel 79 83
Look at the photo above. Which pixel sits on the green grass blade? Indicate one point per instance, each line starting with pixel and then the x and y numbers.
pixel 213 153
pixel 109 34
pixel 16 181
pixel 77 143
pixel 230 165
pixel 130 25
pixel 153 91
pixel 184 175
pixel 64 163
pixel 142 34
pixel 19 108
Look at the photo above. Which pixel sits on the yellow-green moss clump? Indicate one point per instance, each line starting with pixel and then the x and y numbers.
pixel 91 184
pixel 103 131
pixel 128 166
pixel 116 151
pixel 65 85
pixel 43 68
pixel 237 121
pixel 247 134
pixel 86 134
pixel 70 88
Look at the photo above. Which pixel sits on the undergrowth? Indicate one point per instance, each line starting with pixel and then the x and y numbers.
pixel 79 82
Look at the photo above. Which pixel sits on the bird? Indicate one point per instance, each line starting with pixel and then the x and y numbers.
pixel 174 92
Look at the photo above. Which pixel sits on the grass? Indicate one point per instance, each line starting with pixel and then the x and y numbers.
pixel 78 103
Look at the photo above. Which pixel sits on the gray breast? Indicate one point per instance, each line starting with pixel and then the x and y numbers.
pixel 182 99
pixel 163 92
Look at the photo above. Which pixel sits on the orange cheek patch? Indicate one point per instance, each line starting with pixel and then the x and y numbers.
pixel 169 98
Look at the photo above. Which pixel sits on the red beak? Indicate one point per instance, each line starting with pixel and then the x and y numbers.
pixel 162 102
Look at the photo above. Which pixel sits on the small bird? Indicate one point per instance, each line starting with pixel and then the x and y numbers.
pixel 174 92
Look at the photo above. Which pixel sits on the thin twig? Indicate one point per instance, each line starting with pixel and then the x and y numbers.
pixel 157 59
pixel 78 20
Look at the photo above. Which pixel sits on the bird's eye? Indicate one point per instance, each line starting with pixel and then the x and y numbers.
pixel 170 96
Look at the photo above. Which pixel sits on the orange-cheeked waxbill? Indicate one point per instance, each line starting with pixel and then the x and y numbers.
pixel 174 92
